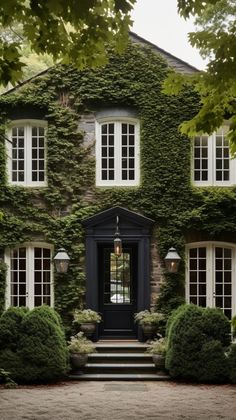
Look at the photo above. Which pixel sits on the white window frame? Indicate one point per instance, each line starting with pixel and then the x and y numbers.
pixel 210 271
pixel 117 130
pixel 212 163
pixel 29 273
pixel 27 124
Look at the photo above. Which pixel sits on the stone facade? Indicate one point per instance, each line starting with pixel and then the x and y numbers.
pixel 156 275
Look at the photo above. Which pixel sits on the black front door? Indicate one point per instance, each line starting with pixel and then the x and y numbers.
pixel 118 290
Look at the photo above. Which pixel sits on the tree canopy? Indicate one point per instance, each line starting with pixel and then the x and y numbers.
pixel 215 37
pixel 67 30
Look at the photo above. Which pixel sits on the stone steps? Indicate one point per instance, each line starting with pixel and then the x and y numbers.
pixel 115 360
pixel 119 358
pixel 119 368
pixel 118 377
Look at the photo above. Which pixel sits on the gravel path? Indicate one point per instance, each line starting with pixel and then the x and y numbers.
pixel 119 401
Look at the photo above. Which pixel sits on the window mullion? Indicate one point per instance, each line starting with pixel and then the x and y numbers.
pixel 98 132
pixel 211 160
pixel 30 276
pixel 118 152
pixel 210 276
pixel 187 276
pixel 137 153
pixel 233 291
pixel 28 154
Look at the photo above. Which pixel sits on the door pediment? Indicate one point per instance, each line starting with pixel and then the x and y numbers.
pixel 129 222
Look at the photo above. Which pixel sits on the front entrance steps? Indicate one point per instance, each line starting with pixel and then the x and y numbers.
pixel 119 360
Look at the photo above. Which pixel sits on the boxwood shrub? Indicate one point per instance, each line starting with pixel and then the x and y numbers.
pixel 232 363
pixel 34 349
pixel 196 342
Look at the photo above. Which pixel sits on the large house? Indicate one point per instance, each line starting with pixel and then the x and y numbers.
pixel 90 156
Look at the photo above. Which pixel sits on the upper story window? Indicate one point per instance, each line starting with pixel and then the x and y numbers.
pixel 212 164
pixel 29 276
pixel 211 276
pixel 26 153
pixel 117 152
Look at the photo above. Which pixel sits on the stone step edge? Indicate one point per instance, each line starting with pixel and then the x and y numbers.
pixel 121 355
pixel 120 344
pixel 120 365
pixel 117 377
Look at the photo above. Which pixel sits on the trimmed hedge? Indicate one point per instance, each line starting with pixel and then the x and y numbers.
pixel 197 339
pixel 34 349
pixel 232 363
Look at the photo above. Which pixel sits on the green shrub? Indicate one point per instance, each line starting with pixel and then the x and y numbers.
pixel 233 323
pixel 40 352
pixel 196 344
pixel 10 327
pixel 232 363
pixel 6 379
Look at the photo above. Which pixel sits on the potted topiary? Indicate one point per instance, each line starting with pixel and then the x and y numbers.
pixel 79 347
pixel 158 350
pixel 87 320
pixel 149 321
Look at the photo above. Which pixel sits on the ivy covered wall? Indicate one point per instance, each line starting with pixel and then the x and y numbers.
pixel 54 214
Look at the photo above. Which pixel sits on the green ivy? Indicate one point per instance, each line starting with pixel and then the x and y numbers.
pixel 166 195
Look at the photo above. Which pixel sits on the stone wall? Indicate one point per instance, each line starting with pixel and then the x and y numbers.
pixel 156 275
pixel 87 126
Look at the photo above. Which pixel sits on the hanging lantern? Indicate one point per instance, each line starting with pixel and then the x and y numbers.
pixel 117 240
pixel 172 260
pixel 117 247
pixel 61 261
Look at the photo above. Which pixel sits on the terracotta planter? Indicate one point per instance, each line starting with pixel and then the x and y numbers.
pixel 78 360
pixel 88 328
pixel 159 361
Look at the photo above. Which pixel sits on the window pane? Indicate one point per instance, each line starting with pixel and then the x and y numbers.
pixel 222 158
pixel 193 289
pixel 219 289
pixel 193 264
pixel 47 300
pixel 193 253
pixel 202 289
pixel 22 301
pixel 38 154
pixel 201 158
pixel 223 279
pixel 227 289
pixel 37 289
pixel 38 301
pixel 193 276
pixel 197 276
pixel 118 277
pixel 18 154
pixel 202 301
pixel 104 128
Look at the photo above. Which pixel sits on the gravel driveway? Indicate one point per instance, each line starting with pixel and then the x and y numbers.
pixel 119 401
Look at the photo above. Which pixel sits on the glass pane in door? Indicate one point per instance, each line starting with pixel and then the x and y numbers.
pixel 223 280
pixel 118 278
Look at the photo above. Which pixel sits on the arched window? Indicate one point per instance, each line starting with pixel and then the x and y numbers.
pixel 212 164
pixel 29 277
pixel 117 152
pixel 211 276
pixel 26 153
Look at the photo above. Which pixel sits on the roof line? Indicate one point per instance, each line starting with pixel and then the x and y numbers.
pixel 133 34
pixel 145 41
pixel 19 84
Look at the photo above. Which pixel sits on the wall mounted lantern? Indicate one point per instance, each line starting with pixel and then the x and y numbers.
pixel 172 260
pixel 117 240
pixel 61 260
